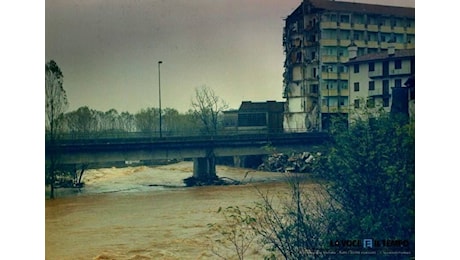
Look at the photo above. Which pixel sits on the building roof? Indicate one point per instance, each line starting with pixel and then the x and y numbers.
pixel 383 55
pixel 331 5
pixel 269 106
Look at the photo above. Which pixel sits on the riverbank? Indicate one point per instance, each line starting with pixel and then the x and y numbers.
pixel 150 178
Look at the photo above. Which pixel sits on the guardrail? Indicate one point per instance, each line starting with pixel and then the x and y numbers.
pixel 155 135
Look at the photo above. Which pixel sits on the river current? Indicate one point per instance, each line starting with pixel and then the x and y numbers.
pixel 147 213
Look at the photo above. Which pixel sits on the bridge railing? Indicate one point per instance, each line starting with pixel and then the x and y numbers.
pixel 240 134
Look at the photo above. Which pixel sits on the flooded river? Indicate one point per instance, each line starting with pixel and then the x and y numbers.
pixel 146 213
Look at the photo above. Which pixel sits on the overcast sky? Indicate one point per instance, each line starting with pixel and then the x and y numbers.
pixel 108 50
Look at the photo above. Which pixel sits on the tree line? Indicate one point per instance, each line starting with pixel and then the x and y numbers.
pixel 203 117
pixel 85 120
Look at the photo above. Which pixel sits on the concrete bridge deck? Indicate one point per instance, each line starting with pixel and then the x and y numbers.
pixel 203 149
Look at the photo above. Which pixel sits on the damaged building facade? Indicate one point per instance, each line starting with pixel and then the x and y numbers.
pixel 316 40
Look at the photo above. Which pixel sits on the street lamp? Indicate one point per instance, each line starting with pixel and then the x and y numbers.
pixel 159 93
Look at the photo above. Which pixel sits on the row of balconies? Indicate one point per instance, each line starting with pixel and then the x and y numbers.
pixel 334 75
pixel 366 43
pixel 334 92
pixel 334 109
pixel 367 27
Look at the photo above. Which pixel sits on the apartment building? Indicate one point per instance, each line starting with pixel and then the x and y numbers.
pixel 375 79
pixel 316 38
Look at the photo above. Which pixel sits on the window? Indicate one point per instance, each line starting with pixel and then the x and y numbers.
pixel 314 89
pixel 371 66
pixel 333 18
pixel 398 83
pixel 356 37
pixel 344 18
pixel 356 86
pixel 371 85
pixel 371 103
pixel 386 102
pixel 356 103
pixel 397 64
pixel 356 68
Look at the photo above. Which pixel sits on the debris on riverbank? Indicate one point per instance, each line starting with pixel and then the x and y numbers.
pixel 192 181
pixel 296 162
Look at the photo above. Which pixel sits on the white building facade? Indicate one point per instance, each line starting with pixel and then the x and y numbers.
pixel 373 76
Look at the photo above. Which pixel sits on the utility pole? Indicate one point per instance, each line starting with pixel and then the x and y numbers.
pixel 159 93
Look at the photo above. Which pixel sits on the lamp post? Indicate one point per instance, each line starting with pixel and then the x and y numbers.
pixel 159 93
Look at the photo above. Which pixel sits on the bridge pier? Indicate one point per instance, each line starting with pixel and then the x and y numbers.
pixel 204 168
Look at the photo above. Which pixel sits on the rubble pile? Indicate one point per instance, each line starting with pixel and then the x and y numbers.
pixel 296 162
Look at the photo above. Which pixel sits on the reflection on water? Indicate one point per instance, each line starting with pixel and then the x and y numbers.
pixel 120 215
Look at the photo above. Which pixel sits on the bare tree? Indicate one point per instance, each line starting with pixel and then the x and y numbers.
pixel 55 105
pixel 206 107
pixel 81 121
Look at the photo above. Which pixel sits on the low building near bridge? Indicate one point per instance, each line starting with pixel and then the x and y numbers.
pixel 251 117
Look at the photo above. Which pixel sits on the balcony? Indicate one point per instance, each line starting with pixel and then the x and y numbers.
pixel 328 42
pixel 343 59
pixel 334 92
pixel 359 26
pixel 372 27
pixel 372 44
pixel 329 75
pixel 328 25
pixel 344 75
pixel 329 92
pixel 385 28
pixel 334 109
pixel 398 29
pixel 345 26
pixel 384 45
pixel 360 43
pixel 329 58
pixel 344 43
pixel 398 45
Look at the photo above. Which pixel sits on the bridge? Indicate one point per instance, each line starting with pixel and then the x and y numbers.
pixel 202 149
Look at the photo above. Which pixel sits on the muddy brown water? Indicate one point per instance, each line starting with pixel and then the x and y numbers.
pixel 123 214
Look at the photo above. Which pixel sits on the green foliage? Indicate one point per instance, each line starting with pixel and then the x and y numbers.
pixel 366 189
pixel 370 173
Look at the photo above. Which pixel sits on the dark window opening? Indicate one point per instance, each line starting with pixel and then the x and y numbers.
pixel 371 66
pixel 356 103
pixel 371 85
